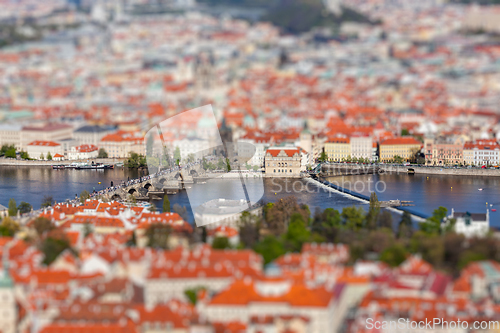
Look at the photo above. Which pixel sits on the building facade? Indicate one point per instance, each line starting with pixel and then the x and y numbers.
pixel 121 144
pixel 284 162
pixel 41 149
pixel 481 152
pixel 83 152
pixel 404 147
pixel 47 132
pixel 439 152
pixel 338 149
pixel 361 147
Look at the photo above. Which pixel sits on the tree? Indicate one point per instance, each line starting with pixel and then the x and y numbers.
pixel 24 155
pixel 53 245
pixel 181 210
pixel 469 256
pixel 192 294
pixel 9 227
pixel 49 156
pixel 135 161
pixel 385 219
pixel 394 255
pixel 11 152
pixel 43 225
pixel 47 201
pixel 373 212
pixel 297 233
pixel 323 157
pixel 84 196
pixel 221 243
pixel 158 235
pixel 5 148
pixel 249 229
pixel 221 165
pixel 12 207
pixel 102 153
pixel 41 156
pixel 429 246
pixel 166 204
pixel 405 132
pixel 432 225
pixel 405 229
pixel 177 155
pixel 398 159
pixel 326 224
pixel 270 248
pixel 24 207
pixel 228 165
pixel 277 215
pixel 353 217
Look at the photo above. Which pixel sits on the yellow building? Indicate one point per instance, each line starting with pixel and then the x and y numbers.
pixel 405 147
pixel 337 149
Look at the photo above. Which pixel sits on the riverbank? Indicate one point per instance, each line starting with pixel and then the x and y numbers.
pixel 441 171
pixel 358 197
pixel 14 162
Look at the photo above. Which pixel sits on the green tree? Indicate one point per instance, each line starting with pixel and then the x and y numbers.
pixel 353 217
pixel 53 245
pixel 177 155
pixel 8 227
pixel 84 196
pixel 24 207
pixel 42 157
pixel 49 156
pixel 192 294
pixel 228 165
pixel 398 159
pixel 468 257
pixel 326 224
pixel 221 243
pixel 166 204
pixel 373 212
pixel 323 157
pixel 432 226
pixel 270 248
pixel 102 153
pixel 249 229
pixel 429 246
pixel 297 233
pixel 394 255
pixel 11 152
pixel 405 132
pixel 24 155
pixel 12 207
pixel 5 148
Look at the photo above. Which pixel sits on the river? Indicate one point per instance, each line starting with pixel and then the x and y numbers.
pixel 31 184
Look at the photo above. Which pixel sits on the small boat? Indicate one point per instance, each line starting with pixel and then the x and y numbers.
pixel 58 167
pixel 479 189
pixel 494 210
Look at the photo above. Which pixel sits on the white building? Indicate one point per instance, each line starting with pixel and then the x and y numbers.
pixel 83 152
pixel 471 224
pixel 258 149
pixel 47 132
pixel 247 298
pixel 361 147
pixel 482 152
pixel 36 149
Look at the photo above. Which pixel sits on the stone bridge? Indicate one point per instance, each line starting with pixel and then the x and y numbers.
pixel 169 183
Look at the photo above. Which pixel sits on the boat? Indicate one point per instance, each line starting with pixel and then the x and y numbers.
pixel 59 167
pixel 90 167
pixel 479 189
pixel 411 171
pixel 494 210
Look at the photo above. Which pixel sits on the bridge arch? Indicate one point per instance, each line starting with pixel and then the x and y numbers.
pixel 147 186
pixel 132 191
pixel 116 197
pixel 193 172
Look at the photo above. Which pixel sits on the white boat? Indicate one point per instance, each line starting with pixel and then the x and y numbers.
pixel 479 189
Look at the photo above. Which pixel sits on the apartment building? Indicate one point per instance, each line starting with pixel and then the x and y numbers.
pixel 443 152
pixel 338 149
pixel 481 152
pixel 404 147
pixel 121 144
pixel 40 149
pixel 361 147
